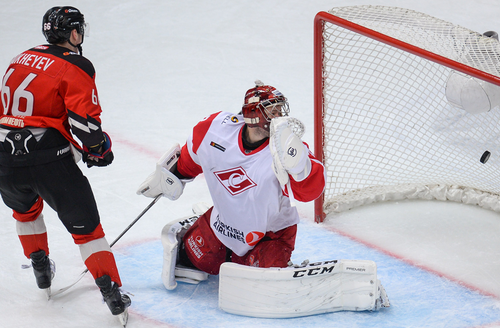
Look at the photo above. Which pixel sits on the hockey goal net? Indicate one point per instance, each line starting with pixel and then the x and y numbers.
pixel 405 107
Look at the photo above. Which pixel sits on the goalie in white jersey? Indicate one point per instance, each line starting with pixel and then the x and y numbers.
pixel 253 174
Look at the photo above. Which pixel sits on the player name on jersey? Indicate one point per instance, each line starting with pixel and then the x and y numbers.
pixel 12 121
pixel 38 62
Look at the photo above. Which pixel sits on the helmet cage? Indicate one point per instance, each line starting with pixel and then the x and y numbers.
pixel 274 108
pixel 262 104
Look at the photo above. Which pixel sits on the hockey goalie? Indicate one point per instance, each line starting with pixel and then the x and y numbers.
pixel 256 166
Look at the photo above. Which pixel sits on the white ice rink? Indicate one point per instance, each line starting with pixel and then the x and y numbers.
pixel 164 65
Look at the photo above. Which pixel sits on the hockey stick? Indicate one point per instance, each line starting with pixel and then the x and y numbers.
pixel 136 219
pixel 62 290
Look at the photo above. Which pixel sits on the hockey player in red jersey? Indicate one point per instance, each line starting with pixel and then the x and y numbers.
pixel 48 96
pixel 253 164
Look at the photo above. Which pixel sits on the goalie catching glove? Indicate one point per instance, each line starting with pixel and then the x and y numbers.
pixel 162 180
pixel 290 155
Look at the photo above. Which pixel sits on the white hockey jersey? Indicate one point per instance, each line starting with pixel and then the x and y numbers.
pixel 248 199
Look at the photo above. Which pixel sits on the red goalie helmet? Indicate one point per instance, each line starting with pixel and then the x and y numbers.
pixel 262 103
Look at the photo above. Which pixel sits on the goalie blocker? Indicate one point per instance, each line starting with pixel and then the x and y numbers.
pixel 163 181
pixel 343 285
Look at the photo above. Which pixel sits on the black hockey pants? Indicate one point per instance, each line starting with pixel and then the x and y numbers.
pixel 48 171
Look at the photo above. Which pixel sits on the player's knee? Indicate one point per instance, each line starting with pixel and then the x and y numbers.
pixel 82 235
pixel 31 213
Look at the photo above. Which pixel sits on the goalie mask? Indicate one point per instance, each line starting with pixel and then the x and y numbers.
pixel 58 22
pixel 263 103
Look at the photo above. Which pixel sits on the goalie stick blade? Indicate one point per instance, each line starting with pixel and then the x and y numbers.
pixel 314 288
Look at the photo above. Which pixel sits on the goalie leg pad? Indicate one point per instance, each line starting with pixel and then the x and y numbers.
pixel 315 288
pixel 170 249
pixel 171 236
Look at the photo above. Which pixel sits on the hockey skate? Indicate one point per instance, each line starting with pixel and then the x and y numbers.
pixel 44 270
pixel 116 301
pixel 172 272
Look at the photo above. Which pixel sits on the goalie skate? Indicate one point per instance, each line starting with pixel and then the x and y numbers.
pixel 171 236
pixel 311 288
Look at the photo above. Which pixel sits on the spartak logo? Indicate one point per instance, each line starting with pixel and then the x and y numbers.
pixel 235 180
pixel 254 237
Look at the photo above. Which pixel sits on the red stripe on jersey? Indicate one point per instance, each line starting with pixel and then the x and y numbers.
pixel 311 187
pixel 200 130
pixel 186 166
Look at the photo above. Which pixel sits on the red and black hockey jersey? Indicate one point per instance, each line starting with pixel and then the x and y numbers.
pixel 51 87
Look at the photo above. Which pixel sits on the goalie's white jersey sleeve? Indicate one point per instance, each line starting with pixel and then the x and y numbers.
pixel 248 199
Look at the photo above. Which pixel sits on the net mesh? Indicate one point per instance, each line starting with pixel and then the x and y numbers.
pixel 389 130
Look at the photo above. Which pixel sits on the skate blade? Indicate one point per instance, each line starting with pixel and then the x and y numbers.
pixel 48 293
pixel 123 317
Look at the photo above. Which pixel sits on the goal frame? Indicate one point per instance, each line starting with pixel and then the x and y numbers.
pixel 324 17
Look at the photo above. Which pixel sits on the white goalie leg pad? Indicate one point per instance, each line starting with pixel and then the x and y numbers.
pixel 170 249
pixel 314 288
pixel 172 272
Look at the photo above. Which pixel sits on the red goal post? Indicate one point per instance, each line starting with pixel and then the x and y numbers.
pixel 405 104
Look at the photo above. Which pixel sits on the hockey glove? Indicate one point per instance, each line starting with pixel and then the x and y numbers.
pixel 290 155
pixel 162 180
pixel 99 155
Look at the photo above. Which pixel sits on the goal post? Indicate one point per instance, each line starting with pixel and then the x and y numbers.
pixel 406 105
